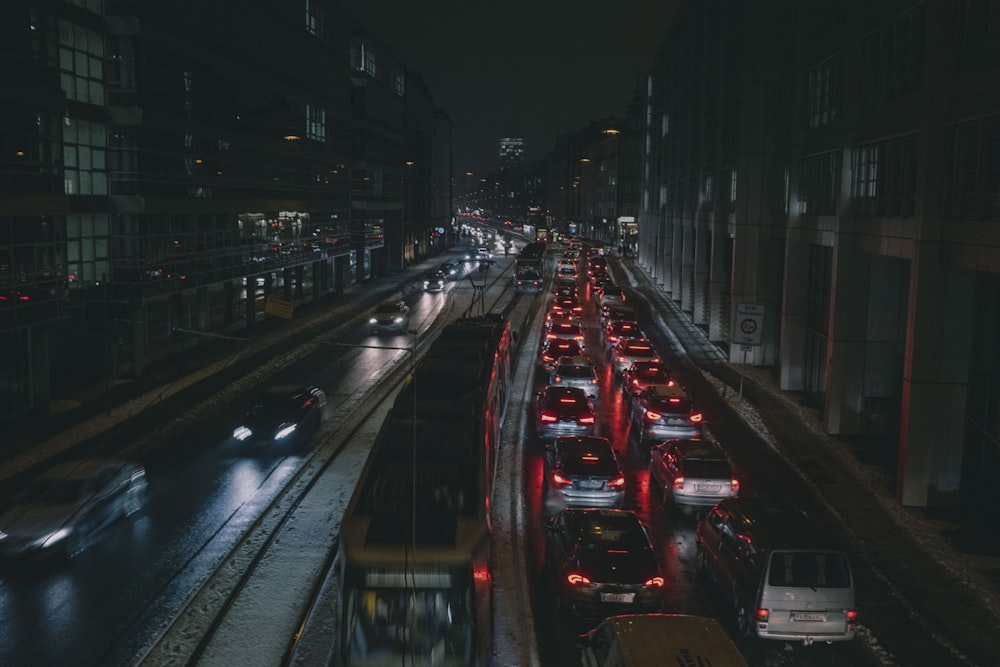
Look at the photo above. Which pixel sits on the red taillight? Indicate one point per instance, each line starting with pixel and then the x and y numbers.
pixel 735 484
pixel 653 416
pixel 550 336
pixel 673 400
pixel 549 417
pixel 593 381
pixel 612 339
pixel 556 379
pixel 852 615
pixel 679 483
pixel 763 615
pixel 697 417
pixel 654 582
pixel 577 579
pixel 587 419
pixel 616 482
pixel 559 480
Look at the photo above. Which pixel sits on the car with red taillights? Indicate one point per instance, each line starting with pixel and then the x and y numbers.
pixel 576 371
pixel 554 348
pixel 599 562
pixel 566 305
pixel 642 374
pixel 564 411
pixel 565 330
pixel 664 411
pixel 582 471
pixel 627 352
pixel 692 472
pixel 616 331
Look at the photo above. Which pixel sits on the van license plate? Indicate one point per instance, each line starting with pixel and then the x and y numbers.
pixel 617 597
pixel 808 616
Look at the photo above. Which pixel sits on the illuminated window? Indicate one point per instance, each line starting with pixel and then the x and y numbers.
pixel 81 63
pixel 87 248
pixel 84 158
pixel 315 123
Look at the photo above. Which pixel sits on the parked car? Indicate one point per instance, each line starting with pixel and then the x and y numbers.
pixel 582 471
pixel 64 509
pixel 692 473
pixel 599 562
pixel 563 411
pixel 390 316
pixel 629 351
pixel 282 414
pixel 576 371
pixel 664 411
pixel 780 569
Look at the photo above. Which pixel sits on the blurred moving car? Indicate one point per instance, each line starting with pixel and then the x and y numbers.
pixel 65 507
pixel 576 371
pixel 600 562
pixel 563 411
pixel 629 351
pixel 390 316
pixel 450 270
pixel 664 411
pixel 282 414
pixel 435 282
pixel 642 374
pixel 692 473
pixel 582 471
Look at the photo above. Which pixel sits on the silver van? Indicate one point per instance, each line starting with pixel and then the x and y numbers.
pixel 779 569
pixel 654 640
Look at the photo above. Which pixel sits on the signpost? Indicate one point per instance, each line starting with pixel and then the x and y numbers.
pixel 748 330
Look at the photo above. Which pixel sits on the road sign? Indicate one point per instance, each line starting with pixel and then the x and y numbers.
pixel 749 324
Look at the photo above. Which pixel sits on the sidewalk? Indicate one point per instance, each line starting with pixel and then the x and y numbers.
pixel 959 590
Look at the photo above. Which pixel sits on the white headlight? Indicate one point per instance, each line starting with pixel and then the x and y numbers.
pixel 241 433
pixel 284 431
pixel 373 321
pixel 54 538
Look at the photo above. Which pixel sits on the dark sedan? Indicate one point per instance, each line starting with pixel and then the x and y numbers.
pixel 563 411
pixel 600 562
pixel 282 414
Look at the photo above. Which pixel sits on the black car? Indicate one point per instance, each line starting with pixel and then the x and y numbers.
pixel 600 562
pixel 642 374
pixel 582 471
pixel 282 414
pixel 435 282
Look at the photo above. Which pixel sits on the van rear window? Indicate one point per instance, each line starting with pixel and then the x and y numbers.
pixel 797 569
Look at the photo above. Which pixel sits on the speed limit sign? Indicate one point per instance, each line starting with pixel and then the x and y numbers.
pixel 749 323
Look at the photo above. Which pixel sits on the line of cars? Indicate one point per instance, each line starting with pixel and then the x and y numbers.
pixel 784 579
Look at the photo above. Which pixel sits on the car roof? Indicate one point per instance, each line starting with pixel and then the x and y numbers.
pixel 665 391
pixel 778 523
pixel 575 360
pixel 697 448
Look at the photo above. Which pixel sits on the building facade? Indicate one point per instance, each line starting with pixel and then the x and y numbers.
pixel 834 165
pixel 170 176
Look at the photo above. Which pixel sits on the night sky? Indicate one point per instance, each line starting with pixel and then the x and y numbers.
pixel 519 68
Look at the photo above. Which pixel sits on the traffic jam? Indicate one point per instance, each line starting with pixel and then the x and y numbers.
pixel 630 478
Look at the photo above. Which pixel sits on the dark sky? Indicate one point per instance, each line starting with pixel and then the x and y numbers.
pixel 530 69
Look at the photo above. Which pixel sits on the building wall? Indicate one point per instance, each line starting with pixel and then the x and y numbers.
pixel 847 154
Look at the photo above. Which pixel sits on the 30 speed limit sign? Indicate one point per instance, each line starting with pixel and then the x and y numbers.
pixel 749 323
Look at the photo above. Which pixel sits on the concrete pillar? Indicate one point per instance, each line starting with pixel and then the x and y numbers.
pixel 791 353
pixel 935 377
pixel 719 269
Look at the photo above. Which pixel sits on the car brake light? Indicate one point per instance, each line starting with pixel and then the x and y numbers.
pixel 550 336
pixel 556 379
pixel 559 480
pixel 735 484
pixel 588 419
pixel 654 582
pixel 696 417
pixel 763 615
pixel 679 483
pixel 548 417
pixel 577 579
pixel 852 615
pixel 674 400
pixel 593 381
pixel 616 482
pixel 653 416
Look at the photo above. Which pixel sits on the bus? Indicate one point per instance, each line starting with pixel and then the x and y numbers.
pixel 529 268
pixel 415 560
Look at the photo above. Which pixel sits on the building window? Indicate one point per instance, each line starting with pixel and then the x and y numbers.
pixel 892 60
pixel 972 170
pixel 81 63
pixel 123 160
pixel 84 151
pixel 399 83
pixel 363 59
pixel 315 19
pixel 818 185
pixel 315 123
pixel 824 93
pixel 884 178
pixel 780 188
pixel 87 248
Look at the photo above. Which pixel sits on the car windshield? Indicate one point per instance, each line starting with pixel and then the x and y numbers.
pixel 707 469
pixel 591 462
pixel 672 405
pixel 575 371
pixel 809 570
pixel 603 532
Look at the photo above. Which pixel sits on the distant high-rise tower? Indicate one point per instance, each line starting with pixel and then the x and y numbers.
pixel 511 151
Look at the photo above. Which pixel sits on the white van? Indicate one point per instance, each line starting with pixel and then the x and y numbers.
pixel 654 640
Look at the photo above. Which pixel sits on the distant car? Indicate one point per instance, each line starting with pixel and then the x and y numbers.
pixel 564 329
pixel 566 304
pixel 390 316
pixel 64 508
pixel 554 348
pixel 582 471
pixel 450 270
pixel 576 371
pixel 566 290
pixel 642 374
pixel 599 562
pixel 563 411
pixel 435 282
pixel 614 312
pixel 627 352
pixel 566 274
pixel 616 331
pixel 692 472
pixel 611 294
pixel 662 412
pixel 282 414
